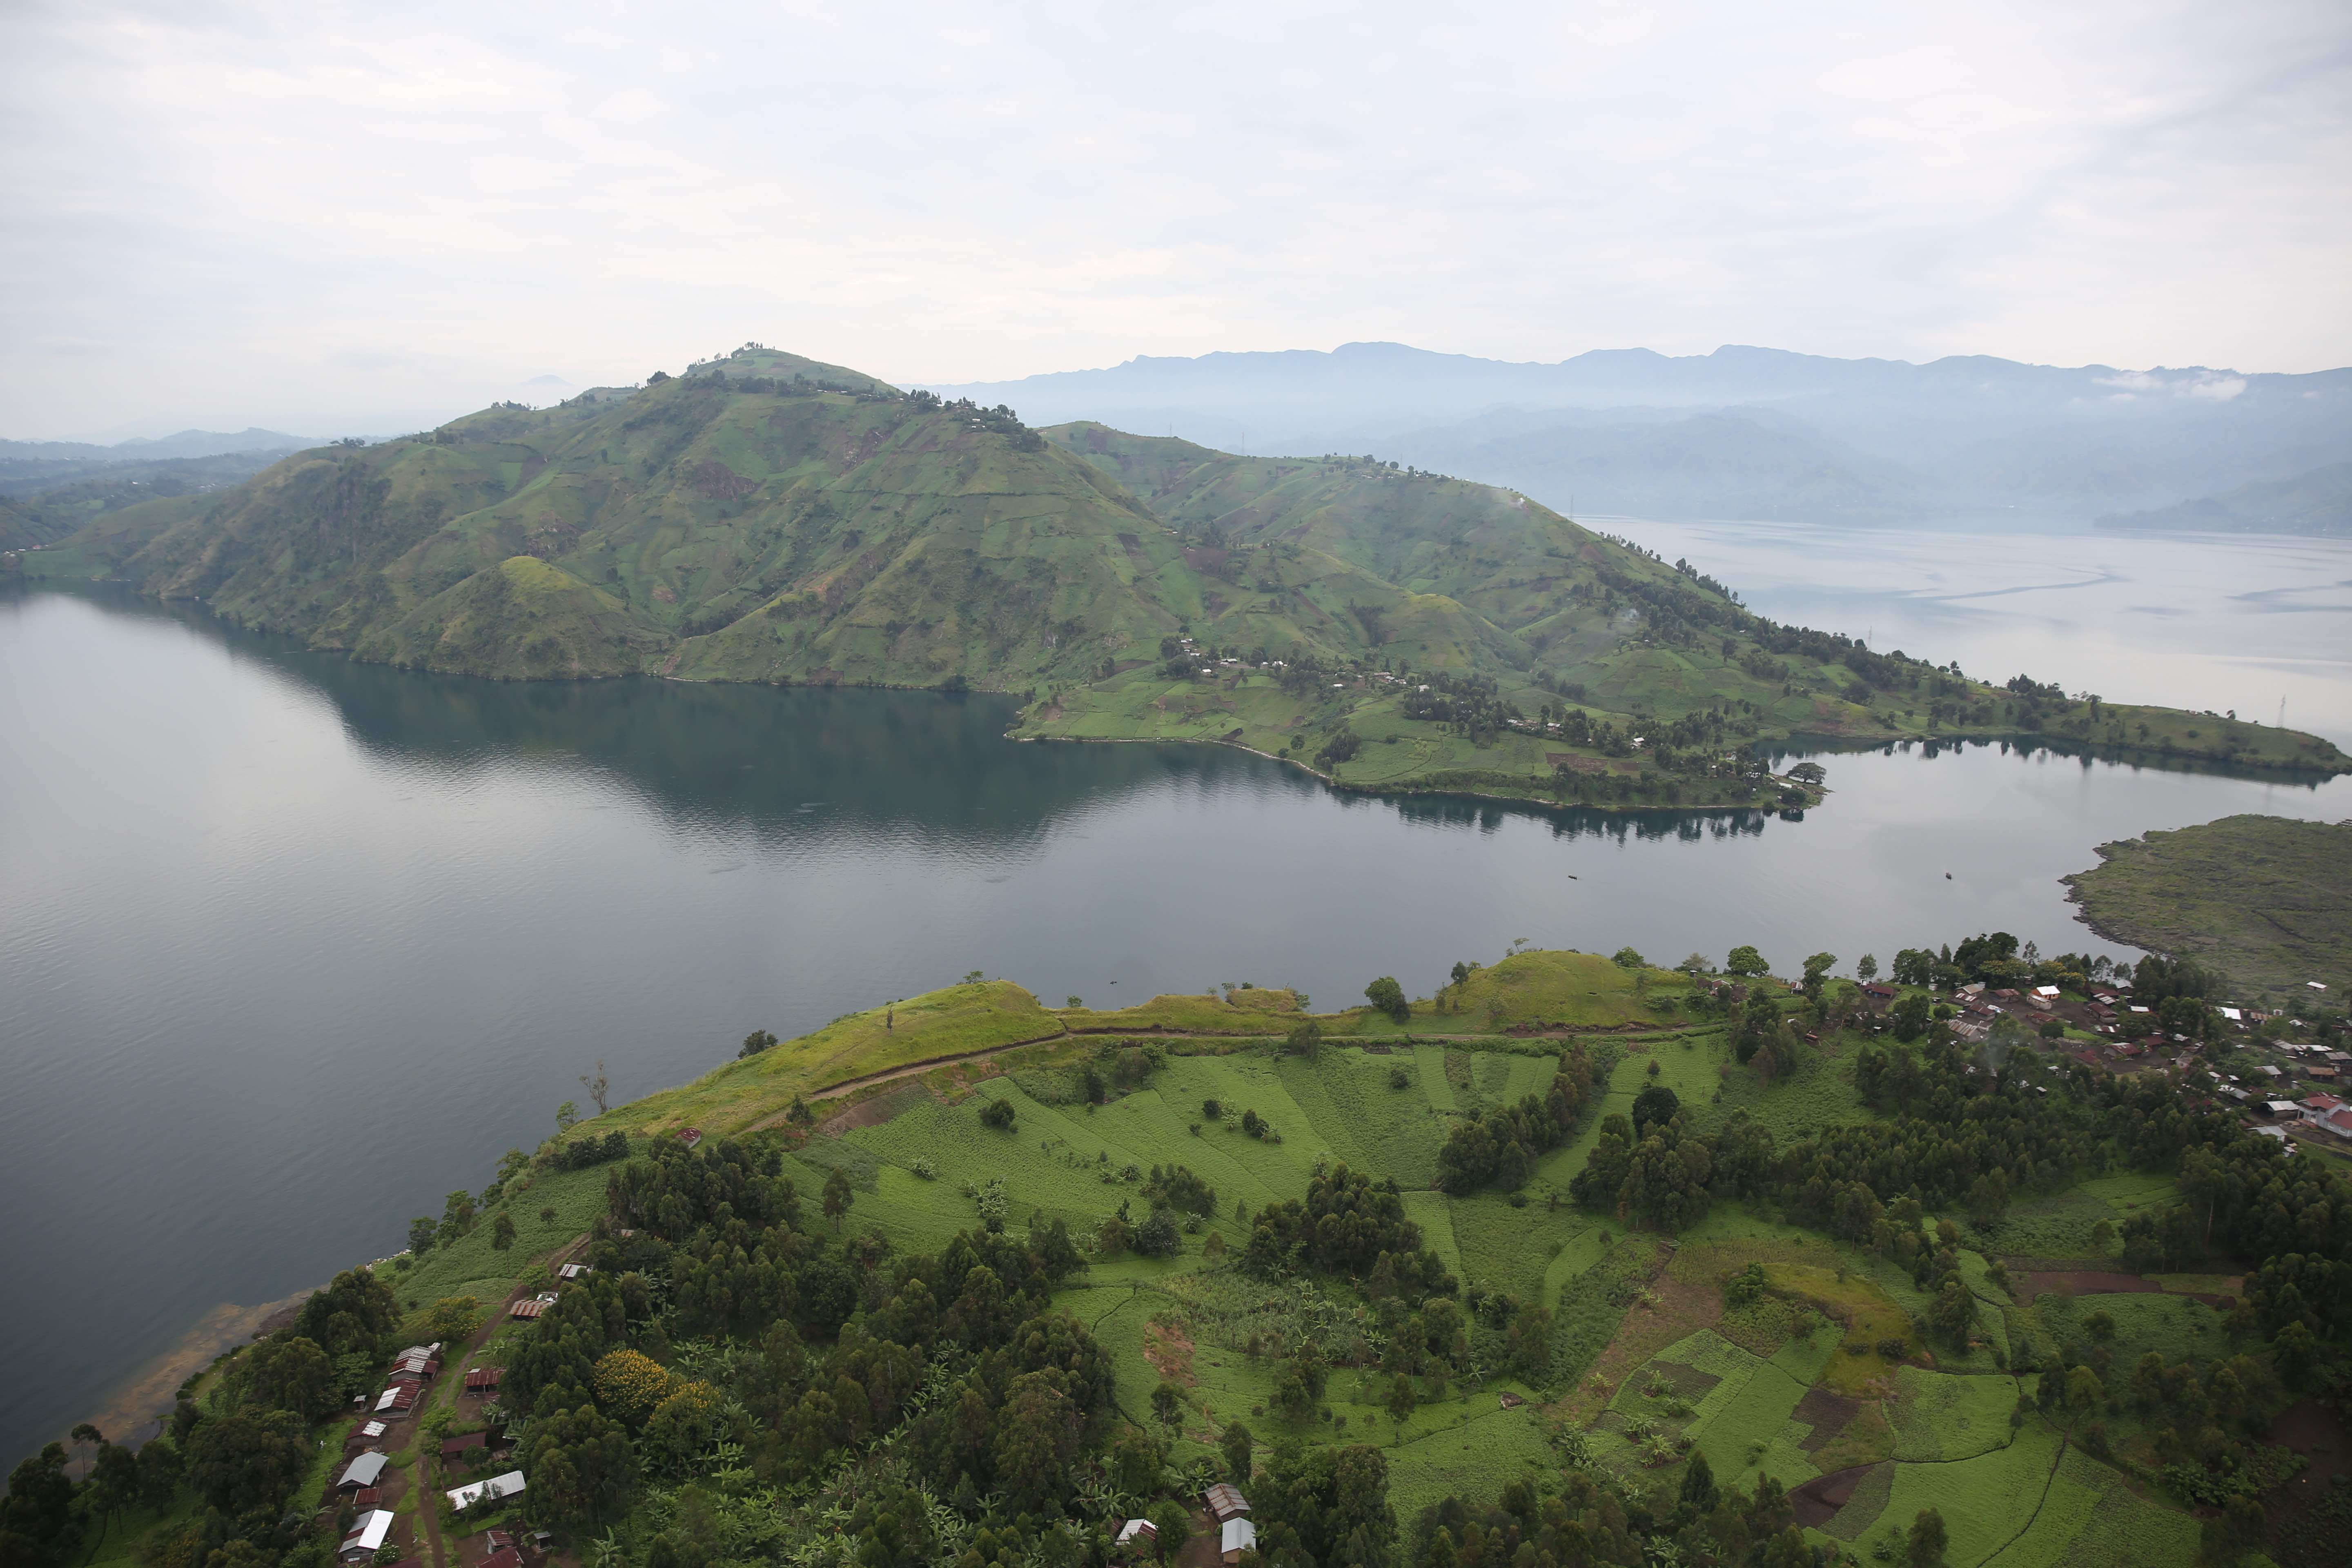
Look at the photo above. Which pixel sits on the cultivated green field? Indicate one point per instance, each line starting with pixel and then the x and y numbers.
pixel 1827 1373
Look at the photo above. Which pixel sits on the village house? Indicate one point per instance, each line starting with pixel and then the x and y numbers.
pixel 1234 1537
pixel 1225 1501
pixel 363 1471
pixel 368 1533
pixel 491 1490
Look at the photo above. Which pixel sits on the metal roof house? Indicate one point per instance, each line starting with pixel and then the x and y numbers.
pixel 497 1486
pixel 363 1471
pixel 1234 1537
pixel 1225 1501
pixel 367 1536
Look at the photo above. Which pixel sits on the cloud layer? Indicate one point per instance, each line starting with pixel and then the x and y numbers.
pixel 252 211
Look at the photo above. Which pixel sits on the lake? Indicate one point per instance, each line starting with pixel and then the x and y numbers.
pixel 290 947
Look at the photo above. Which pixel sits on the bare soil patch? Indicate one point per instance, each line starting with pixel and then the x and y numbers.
pixel 1673 1309
pixel 873 1112
pixel 2319 1434
pixel 1827 1413
pixel 1818 1500
pixel 2106 1282
pixel 1169 1348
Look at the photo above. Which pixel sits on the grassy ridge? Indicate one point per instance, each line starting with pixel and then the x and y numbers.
pixel 2266 899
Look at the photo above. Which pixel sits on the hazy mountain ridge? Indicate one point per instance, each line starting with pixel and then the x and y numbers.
pixel 185 443
pixel 2317 502
pixel 1754 432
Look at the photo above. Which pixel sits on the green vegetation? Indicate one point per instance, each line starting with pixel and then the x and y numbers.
pixel 2266 899
pixel 767 518
pixel 1584 1273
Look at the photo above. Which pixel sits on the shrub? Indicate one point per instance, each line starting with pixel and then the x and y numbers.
pixel 997 1113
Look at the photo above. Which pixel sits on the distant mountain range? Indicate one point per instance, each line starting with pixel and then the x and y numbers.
pixel 1741 432
pixel 2318 502
pixel 187 444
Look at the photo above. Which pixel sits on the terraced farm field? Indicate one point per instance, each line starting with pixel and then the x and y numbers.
pixel 1562 1333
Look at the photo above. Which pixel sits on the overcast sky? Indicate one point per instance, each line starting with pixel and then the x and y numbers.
pixel 321 215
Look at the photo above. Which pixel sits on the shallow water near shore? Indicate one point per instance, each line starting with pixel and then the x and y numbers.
pixel 290 946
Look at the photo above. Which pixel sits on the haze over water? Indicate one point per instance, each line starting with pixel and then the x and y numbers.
pixel 290 946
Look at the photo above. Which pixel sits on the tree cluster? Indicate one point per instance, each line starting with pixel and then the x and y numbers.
pixel 1500 1148
pixel 957 1357
pixel 1345 1224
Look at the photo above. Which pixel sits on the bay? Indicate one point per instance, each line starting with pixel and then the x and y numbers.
pixel 290 946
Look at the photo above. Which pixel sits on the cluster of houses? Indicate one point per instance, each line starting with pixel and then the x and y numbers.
pixel 363 1479
pixel 1228 1510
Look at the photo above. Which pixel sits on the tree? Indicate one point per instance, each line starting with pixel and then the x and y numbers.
pixel 2292 1352
pixel 837 1197
pixel 1036 1439
pixel 1817 974
pixel 1135 1460
pixel 38 1506
pixel 421 1232
pixel 1387 996
pixel 597 1086
pixel 798 1114
pixel 1698 1483
pixel 1746 962
pixel 1306 1038
pixel 291 1373
pixel 1910 1014
pixel 1167 1403
pixel 1157 1236
pixel 1953 1314
pixel 502 1231
pixel 1401 1401
pixel 1654 1107
pixel 1988 1198
pixel 246 1459
pixel 999 1115
pixel 1866 970
pixel 1529 1340
pixel 755 1042
pixel 1171 1526
pixel 159 1475
pixel 1236 1448
pixel 1627 957
pixel 1925 1546
pixel 567 1116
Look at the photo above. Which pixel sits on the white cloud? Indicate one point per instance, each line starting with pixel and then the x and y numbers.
pixel 942 191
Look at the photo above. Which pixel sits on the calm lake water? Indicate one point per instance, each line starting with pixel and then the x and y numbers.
pixel 290 946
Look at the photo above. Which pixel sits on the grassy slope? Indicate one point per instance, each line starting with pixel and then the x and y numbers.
pixel 2266 899
pixel 1942 1428
pixel 1546 595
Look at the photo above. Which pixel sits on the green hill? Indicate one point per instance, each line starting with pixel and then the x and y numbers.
pixel 769 518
